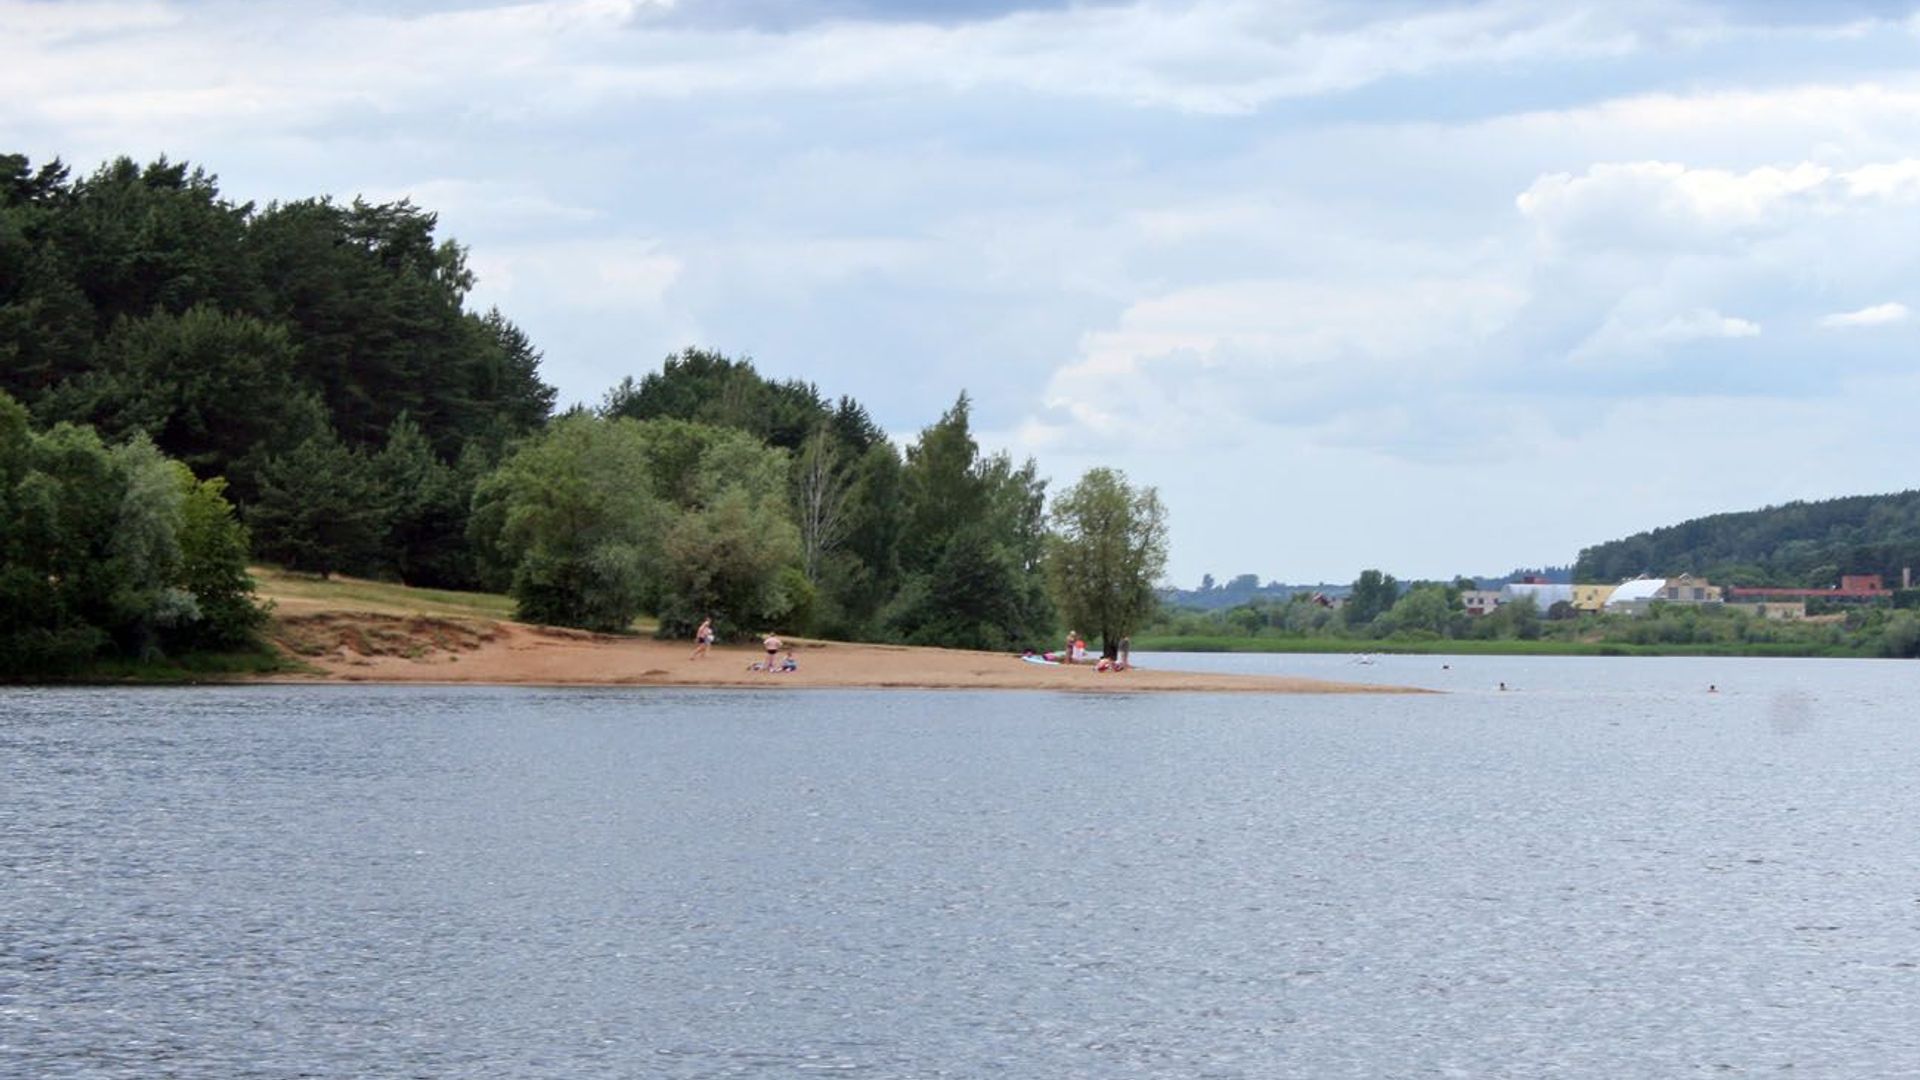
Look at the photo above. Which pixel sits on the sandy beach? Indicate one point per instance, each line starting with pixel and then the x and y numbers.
pixel 419 648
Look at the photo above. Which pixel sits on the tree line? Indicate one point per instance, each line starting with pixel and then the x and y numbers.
pixel 316 363
pixel 705 490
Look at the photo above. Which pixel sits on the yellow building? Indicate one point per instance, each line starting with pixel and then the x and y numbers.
pixel 1591 597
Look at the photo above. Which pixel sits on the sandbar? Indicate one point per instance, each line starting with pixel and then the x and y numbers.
pixel 367 647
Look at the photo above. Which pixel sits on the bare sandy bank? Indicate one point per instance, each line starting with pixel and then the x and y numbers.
pixel 394 648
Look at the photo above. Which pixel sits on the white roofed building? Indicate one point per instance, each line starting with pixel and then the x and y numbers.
pixel 1636 596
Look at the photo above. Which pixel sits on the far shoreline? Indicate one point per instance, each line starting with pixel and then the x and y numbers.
pixel 1472 647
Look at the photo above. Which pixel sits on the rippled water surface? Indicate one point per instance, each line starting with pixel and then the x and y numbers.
pixel 1604 871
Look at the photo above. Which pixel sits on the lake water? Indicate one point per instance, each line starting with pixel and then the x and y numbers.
pixel 1604 871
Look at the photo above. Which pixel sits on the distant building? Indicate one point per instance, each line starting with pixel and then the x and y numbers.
pixel 1591 597
pixel 1634 597
pixel 1545 594
pixel 1687 589
pixel 1480 601
pixel 1854 589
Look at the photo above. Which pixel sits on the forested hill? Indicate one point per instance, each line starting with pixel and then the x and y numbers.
pixel 1800 544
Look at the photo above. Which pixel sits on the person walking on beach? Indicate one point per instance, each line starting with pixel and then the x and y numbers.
pixel 773 648
pixel 702 639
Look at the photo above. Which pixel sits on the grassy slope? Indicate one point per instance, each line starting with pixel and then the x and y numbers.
pixel 294 594
pixel 303 592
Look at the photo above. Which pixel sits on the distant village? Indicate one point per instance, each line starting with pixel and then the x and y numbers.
pixel 1563 599
pixel 1637 596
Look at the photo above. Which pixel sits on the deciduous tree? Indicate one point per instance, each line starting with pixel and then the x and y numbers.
pixel 1373 592
pixel 572 514
pixel 1107 550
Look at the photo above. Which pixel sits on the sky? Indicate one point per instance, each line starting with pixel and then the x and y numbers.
pixel 1435 288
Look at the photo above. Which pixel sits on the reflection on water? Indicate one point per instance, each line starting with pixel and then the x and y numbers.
pixel 1607 872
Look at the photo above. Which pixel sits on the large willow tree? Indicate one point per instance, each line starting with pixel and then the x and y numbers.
pixel 1108 547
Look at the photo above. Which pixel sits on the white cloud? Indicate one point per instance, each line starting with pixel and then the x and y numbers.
pixel 1648 202
pixel 1897 181
pixel 115 69
pixel 464 204
pixel 1702 323
pixel 1633 332
pixel 1876 315
pixel 1869 119
pixel 1713 198
pixel 1210 363
pixel 40 22
pixel 130 72
pixel 1227 57
pixel 632 276
pixel 1643 268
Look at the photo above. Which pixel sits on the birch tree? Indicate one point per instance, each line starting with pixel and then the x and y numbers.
pixel 825 484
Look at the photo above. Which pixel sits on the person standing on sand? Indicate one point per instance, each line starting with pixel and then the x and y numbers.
pixel 773 647
pixel 702 639
pixel 1123 655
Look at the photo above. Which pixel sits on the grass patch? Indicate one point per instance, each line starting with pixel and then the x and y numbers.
pixel 302 591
